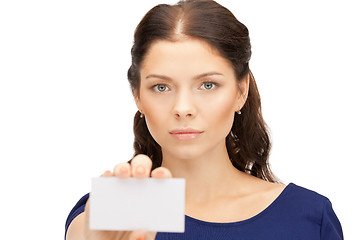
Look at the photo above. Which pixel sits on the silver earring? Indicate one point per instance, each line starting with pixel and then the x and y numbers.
pixel 239 112
pixel 141 115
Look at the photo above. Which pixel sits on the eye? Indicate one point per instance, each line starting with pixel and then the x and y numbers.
pixel 208 85
pixel 160 88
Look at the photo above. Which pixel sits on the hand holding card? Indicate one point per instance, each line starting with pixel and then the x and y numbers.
pixel 118 197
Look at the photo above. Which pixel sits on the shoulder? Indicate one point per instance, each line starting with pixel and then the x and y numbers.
pixel 290 199
pixel 288 195
pixel 76 210
pixel 313 207
pixel 303 195
pixel 303 203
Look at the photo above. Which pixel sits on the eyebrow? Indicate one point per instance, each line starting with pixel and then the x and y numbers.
pixel 202 75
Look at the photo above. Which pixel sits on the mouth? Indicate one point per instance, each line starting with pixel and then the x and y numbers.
pixel 185 133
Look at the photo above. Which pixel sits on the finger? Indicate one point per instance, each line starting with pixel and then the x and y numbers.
pixel 142 235
pixel 107 174
pixel 161 172
pixel 141 166
pixel 150 236
pixel 122 170
pixel 137 235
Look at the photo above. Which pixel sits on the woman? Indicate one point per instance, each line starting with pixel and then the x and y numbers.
pixel 200 119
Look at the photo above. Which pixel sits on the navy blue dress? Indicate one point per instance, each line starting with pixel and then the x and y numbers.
pixel 297 213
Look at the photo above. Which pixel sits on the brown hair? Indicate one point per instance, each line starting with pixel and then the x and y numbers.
pixel 248 143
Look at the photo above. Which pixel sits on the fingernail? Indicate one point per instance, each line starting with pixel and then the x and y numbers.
pixel 106 173
pixel 123 169
pixel 140 170
pixel 142 237
pixel 160 172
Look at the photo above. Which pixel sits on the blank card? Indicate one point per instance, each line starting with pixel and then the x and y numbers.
pixel 131 204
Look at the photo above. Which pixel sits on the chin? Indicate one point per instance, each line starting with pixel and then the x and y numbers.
pixel 184 153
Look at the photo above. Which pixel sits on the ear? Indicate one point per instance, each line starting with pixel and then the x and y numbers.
pixel 137 100
pixel 243 87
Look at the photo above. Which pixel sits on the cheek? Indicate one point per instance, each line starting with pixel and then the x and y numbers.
pixel 221 113
pixel 156 117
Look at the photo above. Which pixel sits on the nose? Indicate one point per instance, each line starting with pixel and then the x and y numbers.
pixel 184 105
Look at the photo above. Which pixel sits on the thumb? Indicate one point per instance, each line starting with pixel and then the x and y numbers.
pixel 142 235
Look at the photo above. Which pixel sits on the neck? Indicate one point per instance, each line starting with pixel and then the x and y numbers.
pixel 208 176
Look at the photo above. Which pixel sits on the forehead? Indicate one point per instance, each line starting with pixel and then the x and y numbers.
pixel 187 55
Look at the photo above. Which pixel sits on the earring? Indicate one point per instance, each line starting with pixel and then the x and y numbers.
pixel 141 114
pixel 238 112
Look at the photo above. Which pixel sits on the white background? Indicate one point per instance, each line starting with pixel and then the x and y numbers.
pixel 66 109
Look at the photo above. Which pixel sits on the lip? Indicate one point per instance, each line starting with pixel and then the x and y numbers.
pixel 185 133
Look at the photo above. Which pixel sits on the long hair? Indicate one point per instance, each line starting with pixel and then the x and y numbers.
pixel 248 143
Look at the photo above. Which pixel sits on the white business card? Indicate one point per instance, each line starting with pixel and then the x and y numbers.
pixel 132 204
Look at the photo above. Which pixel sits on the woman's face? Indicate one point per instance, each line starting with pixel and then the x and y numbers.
pixel 189 95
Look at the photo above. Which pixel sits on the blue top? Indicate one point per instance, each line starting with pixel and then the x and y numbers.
pixel 297 213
